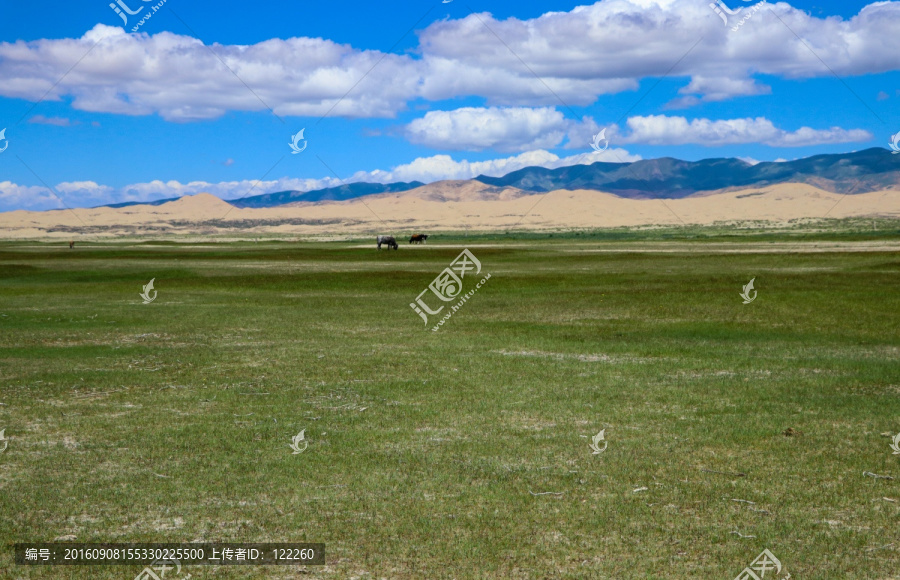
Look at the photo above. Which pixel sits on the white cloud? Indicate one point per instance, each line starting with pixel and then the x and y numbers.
pixel 703 89
pixel 14 196
pixel 555 59
pixel 84 191
pixel 437 167
pixel 503 129
pixel 181 79
pixel 665 130
pixel 609 45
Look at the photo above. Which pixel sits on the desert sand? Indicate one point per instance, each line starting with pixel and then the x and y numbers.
pixel 450 205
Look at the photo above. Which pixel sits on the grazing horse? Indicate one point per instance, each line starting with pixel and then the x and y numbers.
pixel 418 238
pixel 389 241
pixel 71 245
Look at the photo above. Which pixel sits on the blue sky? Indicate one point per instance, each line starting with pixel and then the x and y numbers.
pixel 205 96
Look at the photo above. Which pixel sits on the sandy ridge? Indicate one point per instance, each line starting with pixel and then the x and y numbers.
pixel 451 205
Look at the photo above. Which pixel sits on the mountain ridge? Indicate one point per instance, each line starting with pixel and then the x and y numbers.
pixel 869 170
pixel 669 178
pixel 273 199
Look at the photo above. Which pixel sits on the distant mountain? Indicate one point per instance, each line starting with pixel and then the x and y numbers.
pixel 870 170
pixel 340 193
pixel 128 203
pixel 860 172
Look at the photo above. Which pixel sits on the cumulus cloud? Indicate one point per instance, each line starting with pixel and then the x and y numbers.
pixel 503 129
pixel 14 196
pixel 520 128
pixel 703 89
pixel 85 191
pixel 666 130
pixel 572 58
pixel 437 167
pixel 182 80
pixel 608 46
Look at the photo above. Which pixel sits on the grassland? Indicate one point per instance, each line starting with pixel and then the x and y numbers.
pixel 461 453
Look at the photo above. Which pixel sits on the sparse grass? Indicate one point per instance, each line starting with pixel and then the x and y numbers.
pixel 425 448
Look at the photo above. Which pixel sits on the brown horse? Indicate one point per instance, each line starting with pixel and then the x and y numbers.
pixel 71 245
pixel 418 238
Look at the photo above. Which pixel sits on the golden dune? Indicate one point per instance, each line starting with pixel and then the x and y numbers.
pixel 452 205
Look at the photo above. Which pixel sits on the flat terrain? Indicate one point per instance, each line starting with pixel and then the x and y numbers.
pixel 461 453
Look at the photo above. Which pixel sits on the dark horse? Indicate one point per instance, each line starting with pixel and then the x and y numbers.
pixel 389 241
pixel 71 245
pixel 418 238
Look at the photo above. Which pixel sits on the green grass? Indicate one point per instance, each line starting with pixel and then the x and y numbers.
pixel 248 343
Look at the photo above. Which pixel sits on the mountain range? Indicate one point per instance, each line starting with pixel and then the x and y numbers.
pixel 874 169
pixel 339 193
pixel 859 172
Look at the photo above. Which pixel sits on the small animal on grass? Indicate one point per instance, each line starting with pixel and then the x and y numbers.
pixel 71 245
pixel 418 238
pixel 389 241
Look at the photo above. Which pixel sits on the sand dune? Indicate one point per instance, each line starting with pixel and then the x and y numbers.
pixel 451 205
